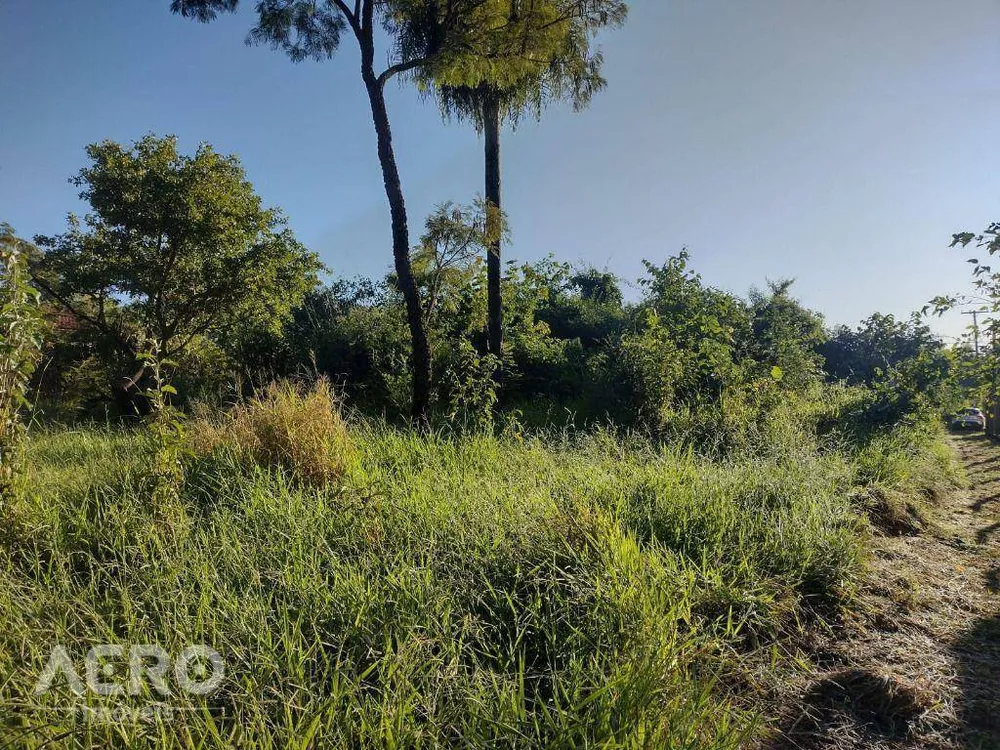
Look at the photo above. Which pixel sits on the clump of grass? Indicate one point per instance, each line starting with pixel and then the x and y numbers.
pixel 289 426
pixel 900 472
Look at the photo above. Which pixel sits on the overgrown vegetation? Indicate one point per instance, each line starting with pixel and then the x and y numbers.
pixel 20 350
pixel 605 528
pixel 177 252
pixel 467 505
pixel 369 586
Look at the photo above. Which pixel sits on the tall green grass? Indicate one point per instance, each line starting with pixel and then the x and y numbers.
pixel 469 592
pixel 902 471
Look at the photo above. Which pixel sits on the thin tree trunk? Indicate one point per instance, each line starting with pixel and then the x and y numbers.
pixel 401 250
pixel 494 269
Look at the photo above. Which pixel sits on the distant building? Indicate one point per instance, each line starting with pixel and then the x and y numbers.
pixel 63 319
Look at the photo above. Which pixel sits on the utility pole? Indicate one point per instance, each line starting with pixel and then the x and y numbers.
pixel 975 327
pixel 993 407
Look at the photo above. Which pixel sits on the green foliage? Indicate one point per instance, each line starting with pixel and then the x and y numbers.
pixel 978 368
pixel 905 367
pixel 353 332
pixel 880 342
pixel 785 336
pixel 176 248
pixel 685 362
pixel 180 253
pixel 78 364
pixel 655 367
pixel 470 390
pixel 680 362
pixel 448 264
pixel 20 344
pixel 166 428
pixel 521 56
pixel 986 281
pixel 585 306
pixel 705 324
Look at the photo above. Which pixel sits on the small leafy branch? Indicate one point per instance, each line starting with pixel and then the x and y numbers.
pixel 985 280
pixel 983 304
pixel 20 347
pixel 166 426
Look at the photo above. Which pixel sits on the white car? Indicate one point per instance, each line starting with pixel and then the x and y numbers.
pixel 969 419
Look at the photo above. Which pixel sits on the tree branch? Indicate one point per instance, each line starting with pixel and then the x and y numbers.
pixel 399 68
pixel 98 323
pixel 351 16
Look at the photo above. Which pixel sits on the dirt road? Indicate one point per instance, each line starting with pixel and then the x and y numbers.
pixel 919 667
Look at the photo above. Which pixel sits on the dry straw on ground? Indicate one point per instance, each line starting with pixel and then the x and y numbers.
pixel 918 666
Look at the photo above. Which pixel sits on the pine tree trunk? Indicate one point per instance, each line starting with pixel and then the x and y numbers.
pixel 494 269
pixel 401 251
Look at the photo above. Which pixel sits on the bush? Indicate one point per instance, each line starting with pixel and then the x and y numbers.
pixel 288 426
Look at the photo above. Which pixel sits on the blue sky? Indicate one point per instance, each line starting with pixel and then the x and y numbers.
pixel 840 142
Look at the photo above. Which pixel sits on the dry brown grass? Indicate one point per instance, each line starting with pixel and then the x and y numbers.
pixel 859 703
pixel 916 666
pixel 289 426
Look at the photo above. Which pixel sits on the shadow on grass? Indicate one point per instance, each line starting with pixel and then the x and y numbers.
pixel 853 708
pixel 977 440
pixel 977 657
pixel 984 534
pixel 983 502
pixel 983 462
pixel 992 579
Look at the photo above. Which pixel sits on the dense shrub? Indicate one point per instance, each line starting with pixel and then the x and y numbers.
pixel 684 361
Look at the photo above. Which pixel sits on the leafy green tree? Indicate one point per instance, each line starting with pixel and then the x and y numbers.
pixel 535 360
pixel 785 336
pixel 448 266
pixel 598 287
pixel 175 248
pixel 679 351
pixel 587 307
pixel 547 55
pixel 706 324
pixel 447 260
pixel 879 343
pixel 983 366
pixel 419 35
pixel 902 364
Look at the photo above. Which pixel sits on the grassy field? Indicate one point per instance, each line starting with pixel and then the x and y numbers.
pixel 369 587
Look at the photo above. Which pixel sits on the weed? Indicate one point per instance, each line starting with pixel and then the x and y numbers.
pixel 20 325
